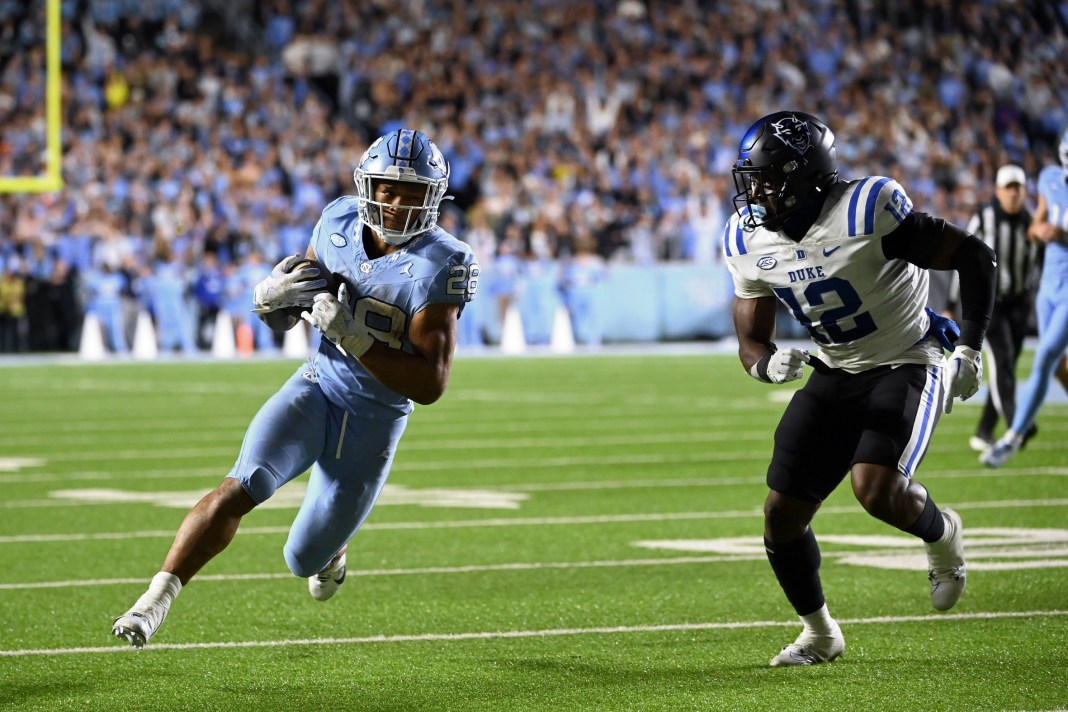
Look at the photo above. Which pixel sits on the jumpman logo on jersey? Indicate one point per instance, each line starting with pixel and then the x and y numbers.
pixel 406 269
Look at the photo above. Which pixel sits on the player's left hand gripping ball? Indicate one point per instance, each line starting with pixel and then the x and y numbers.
pixel 963 373
pixel 333 316
pixel 288 286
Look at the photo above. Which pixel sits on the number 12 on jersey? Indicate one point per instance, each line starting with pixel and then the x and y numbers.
pixel 829 329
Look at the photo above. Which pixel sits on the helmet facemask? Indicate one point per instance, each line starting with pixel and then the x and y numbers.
pixel 766 195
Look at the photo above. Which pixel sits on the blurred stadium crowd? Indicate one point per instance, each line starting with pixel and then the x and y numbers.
pixel 202 139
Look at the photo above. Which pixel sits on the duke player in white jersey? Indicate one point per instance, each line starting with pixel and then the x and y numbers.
pixel 388 339
pixel 1049 226
pixel 849 259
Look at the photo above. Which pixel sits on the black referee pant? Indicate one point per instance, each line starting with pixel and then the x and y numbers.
pixel 1004 340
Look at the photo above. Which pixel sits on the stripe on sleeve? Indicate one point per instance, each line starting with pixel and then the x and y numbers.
pixel 869 207
pixel 727 239
pixel 853 201
pixel 738 241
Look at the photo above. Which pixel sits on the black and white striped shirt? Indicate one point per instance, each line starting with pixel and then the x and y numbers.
pixel 1019 259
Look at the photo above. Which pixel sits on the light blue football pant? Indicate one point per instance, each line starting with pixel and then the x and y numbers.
pixel 349 457
pixel 1051 307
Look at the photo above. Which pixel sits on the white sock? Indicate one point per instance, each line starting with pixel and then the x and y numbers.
pixel 163 588
pixel 1014 437
pixel 819 622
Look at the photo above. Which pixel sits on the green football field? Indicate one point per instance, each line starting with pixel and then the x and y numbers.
pixel 557 533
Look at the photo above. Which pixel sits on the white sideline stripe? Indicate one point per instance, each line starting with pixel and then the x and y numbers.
pixel 545 633
pixel 523 521
pixel 469 569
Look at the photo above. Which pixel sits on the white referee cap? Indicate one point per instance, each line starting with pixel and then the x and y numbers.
pixel 1009 174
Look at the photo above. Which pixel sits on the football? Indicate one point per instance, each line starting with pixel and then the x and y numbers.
pixel 285 318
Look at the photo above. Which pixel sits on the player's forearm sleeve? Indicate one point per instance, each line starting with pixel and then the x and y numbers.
pixel 976 264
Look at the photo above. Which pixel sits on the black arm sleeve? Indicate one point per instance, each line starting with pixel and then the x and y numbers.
pixel 932 243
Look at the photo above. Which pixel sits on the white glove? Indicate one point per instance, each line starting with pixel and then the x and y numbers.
pixel 284 288
pixel 963 373
pixel 332 316
pixel 782 366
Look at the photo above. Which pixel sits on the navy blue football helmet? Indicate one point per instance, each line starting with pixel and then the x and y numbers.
pixel 784 159
pixel 404 155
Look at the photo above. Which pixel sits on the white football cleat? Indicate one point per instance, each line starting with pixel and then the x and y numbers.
pixel 945 558
pixel 141 622
pixel 325 584
pixel 1000 452
pixel 812 648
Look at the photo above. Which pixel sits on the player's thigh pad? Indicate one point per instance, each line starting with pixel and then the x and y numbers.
pixel 287 435
pixel 344 485
pixel 815 439
pixel 901 411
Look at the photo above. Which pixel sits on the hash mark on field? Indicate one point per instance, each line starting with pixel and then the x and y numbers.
pixel 545 633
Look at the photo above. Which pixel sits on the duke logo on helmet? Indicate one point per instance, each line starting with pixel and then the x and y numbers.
pixel 793 132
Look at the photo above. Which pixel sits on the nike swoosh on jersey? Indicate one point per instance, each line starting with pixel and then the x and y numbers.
pixel 828 253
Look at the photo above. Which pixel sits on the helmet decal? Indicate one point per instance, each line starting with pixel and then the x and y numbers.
pixel 793 132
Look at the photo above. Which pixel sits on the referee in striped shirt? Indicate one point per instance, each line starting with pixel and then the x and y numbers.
pixel 1002 224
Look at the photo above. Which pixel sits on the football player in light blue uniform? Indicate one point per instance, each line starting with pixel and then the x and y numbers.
pixel 389 335
pixel 1050 226
pixel 849 259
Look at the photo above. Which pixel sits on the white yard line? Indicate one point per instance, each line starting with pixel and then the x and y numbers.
pixel 544 633
pixel 756 511
pixel 1031 562
pixel 428 570
pixel 193 473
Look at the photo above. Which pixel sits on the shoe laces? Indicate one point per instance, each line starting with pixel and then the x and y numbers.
pixel 802 653
pixel 153 614
pixel 331 571
pixel 952 573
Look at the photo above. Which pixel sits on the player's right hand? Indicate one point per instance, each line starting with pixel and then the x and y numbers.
pixel 782 366
pixel 333 316
pixel 287 287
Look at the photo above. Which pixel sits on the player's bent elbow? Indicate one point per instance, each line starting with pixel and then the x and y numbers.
pixel 430 391
pixel 429 396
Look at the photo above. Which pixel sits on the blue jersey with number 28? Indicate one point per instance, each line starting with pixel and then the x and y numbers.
pixel 384 293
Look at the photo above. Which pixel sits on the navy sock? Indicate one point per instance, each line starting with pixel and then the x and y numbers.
pixel 797 567
pixel 930 525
